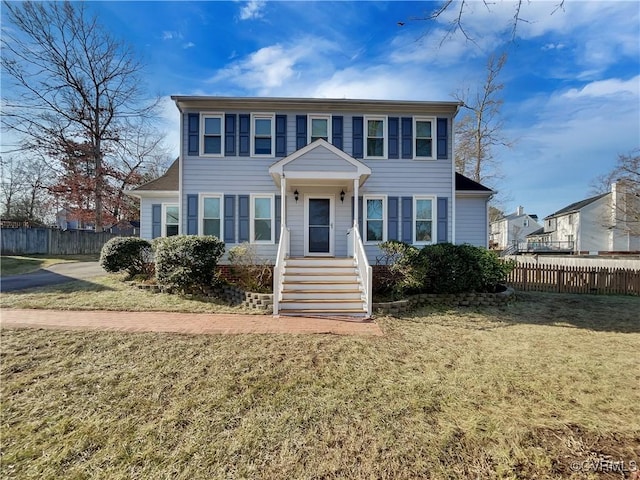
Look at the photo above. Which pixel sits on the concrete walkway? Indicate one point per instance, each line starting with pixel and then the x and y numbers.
pixel 190 323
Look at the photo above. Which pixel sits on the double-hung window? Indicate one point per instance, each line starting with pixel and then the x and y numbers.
pixel 262 218
pixel 263 138
pixel 170 220
pixel 424 215
pixel 374 219
pixel 211 214
pixel 319 127
pixel 212 138
pixel 376 140
pixel 424 130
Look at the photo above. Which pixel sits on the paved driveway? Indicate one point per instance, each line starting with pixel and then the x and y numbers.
pixel 53 275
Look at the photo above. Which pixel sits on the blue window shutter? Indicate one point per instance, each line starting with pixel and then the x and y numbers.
pixel 301 131
pixel 394 137
pixel 358 140
pixel 336 131
pixel 281 135
pixel 392 218
pixel 192 214
pixel 278 205
pixel 407 137
pixel 230 134
pixel 156 220
pixel 229 219
pixel 244 131
pixel 443 137
pixel 443 215
pixel 194 127
pixel 407 219
pixel 243 218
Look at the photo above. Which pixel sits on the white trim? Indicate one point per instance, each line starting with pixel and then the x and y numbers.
pixel 319 116
pixel 163 218
pixel 434 138
pixel 434 218
pixel 365 219
pixel 385 138
pixel 253 197
pixel 332 215
pixel 201 135
pixel 263 116
pixel 201 198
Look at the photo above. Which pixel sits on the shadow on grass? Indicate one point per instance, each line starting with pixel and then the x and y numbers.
pixel 46 281
pixel 600 313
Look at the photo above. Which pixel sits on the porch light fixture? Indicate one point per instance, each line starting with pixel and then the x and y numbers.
pixel 296 195
pixel 342 196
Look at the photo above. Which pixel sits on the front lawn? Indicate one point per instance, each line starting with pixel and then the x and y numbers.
pixel 521 392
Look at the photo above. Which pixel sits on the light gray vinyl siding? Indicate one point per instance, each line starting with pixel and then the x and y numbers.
pixel 471 221
pixel 319 159
pixel 146 204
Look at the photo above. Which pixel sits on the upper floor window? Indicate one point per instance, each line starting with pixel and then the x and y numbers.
pixel 319 127
pixel 376 141
pixel 262 218
pixel 263 138
pixel 423 218
pixel 210 215
pixel 374 219
pixel 211 140
pixel 423 137
pixel 170 220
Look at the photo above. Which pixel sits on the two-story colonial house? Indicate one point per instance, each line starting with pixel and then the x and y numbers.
pixel 315 185
pixel 510 231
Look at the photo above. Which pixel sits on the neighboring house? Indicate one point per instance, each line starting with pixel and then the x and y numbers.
pixel 65 221
pixel 511 230
pixel 315 185
pixel 593 225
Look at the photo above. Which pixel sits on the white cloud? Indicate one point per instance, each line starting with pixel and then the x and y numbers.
pixel 612 86
pixel 170 35
pixel 254 9
pixel 188 45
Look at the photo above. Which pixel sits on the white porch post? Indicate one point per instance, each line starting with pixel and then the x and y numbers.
pixel 356 184
pixel 283 201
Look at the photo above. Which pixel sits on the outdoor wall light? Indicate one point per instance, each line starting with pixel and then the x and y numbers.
pixel 296 195
pixel 342 196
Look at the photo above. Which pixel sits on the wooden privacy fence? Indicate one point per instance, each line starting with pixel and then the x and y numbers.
pixel 51 241
pixel 573 279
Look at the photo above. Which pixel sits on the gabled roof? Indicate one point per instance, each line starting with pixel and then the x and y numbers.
pixel 537 232
pixel 465 184
pixel 166 183
pixel 574 207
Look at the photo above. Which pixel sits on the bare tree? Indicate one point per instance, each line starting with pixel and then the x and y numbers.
pixel 25 188
pixel 73 83
pixel 479 129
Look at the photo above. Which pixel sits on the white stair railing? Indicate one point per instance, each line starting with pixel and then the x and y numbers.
pixel 364 269
pixel 278 269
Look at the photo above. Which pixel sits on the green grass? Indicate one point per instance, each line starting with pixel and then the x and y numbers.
pixel 518 392
pixel 16 265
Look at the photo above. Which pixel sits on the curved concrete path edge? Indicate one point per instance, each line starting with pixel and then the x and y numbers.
pixel 186 323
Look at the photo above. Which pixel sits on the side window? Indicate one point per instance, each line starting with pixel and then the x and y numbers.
pixel 423 220
pixel 423 137
pixel 374 219
pixel 376 142
pixel 170 220
pixel 263 138
pixel 262 215
pixel 210 221
pixel 212 139
pixel 319 127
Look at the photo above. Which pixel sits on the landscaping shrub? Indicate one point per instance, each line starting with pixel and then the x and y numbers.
pixel 249 271
pixel 400 277
pixel 186 262
pixel 126 254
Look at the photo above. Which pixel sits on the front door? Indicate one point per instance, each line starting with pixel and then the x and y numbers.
pixel 318 225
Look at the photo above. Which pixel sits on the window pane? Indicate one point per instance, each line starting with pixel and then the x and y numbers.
pixel 423 148
pixel 374 209
pixel 262 208
pixel 319 128
pixel 423 129
pixel 171 230
pixel 375 147
pixel 171 215
pixel 423 231
pixel 212 208
pixel 374 231
pixel 423 209
pixel 375 128
pixel 212 145
pixel 262 230
pixel 263 127
pixel 212 126
pixel 263 146
pixel 211 227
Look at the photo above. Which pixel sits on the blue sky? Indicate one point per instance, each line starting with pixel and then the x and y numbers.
pixel 571 83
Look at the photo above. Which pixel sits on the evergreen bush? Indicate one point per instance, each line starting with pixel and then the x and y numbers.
pixel 128 254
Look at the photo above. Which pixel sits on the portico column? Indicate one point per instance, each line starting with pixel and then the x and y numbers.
pixel 283 196
pixel 355 203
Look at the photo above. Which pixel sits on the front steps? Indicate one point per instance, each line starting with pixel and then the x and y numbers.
pixel 321 286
